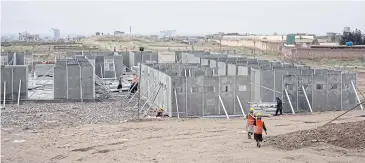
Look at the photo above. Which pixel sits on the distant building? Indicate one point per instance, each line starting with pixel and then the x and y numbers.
pixel 56 34
pixel 97 33
pixel 25 36
pixel 118 33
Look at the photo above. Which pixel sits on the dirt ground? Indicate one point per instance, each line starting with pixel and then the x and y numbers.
pixel 172 140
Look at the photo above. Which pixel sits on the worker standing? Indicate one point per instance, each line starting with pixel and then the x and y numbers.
pixel 259 126
pixel 250 121
pixel 134 86
pixel 279 106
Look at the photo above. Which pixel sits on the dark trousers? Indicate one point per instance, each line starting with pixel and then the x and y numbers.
pixel 279 109
pixel 134 88
pixel 258 137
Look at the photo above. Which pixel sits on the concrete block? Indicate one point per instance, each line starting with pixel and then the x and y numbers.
pixel 242 70
pixel 278 80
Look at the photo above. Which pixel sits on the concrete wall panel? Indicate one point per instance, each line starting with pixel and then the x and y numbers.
pixel 210 96
pixel 290 83
pixel 88 82
pixel 333 92
pixel 60 83
pixel 267 86
pixel 348 94
pixel 20 73
pixel 227 93
pixel 307 82
pixel 99 66
pixel 73 81
pixel 319 92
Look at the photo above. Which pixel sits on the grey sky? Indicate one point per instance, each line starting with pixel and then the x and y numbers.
pixel 185 17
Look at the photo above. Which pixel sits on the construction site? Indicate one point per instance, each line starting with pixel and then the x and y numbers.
pixel 65 105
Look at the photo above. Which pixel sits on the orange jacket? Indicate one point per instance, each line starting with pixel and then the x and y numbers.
pixel 250 119
pixel 259 126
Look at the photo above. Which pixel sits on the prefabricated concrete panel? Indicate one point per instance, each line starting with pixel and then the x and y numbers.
pixel 60 82
pixel 348 93
pixel 306 82
pixel 290 83
pixel 210 96
pixel 109 74
pixel 126 59
pixel 231 69
pixel 20 72
pixel 212 63
pixel 319 92
pixel 154 57
pixel 194 99
pixel 242 70
pixel 99 66
pixel 333 92
pixel 227 93
pixel 267 86
pixel 204 61
pixel 73 81
pixel 88 82
pixel 180 84
pixel 306 71
pixel 7 76
pixel 278 80
pixel 293 71
pixel 255 85
pixel 11 59
pixel 242 90
pixel 222 69
pixel 20 59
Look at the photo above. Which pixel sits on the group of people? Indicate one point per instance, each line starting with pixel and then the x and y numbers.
pixel 255 124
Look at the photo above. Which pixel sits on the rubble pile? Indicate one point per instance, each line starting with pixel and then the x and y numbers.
pixel 32 115
pixel 349 135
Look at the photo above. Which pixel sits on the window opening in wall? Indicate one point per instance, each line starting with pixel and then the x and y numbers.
pixel 194 89
pixel 333 86
pixel 226 88
pixel 209 89
pixel 241 88
pixel 319 86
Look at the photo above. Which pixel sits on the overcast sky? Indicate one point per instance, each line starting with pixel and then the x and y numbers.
pixel 185 17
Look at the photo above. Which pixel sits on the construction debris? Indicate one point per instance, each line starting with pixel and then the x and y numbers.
pixel 346 135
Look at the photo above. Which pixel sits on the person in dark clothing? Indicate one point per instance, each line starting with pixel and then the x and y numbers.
pixel 279 106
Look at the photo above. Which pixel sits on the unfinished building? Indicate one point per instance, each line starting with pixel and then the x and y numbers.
pixel 203 84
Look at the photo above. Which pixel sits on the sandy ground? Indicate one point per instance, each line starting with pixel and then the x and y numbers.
pixel 171 140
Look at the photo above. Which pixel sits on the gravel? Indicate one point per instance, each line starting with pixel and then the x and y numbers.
pixel 349 135
pixel 32 115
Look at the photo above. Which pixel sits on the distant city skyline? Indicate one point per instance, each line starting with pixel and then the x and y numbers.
pixel 187 18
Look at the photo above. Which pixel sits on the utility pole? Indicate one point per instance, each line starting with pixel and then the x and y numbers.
pixel 141 49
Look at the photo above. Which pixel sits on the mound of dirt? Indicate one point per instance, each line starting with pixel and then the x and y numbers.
pixel 346 135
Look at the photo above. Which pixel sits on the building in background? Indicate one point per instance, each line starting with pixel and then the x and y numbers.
pixel 56 34
pixel 118 33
